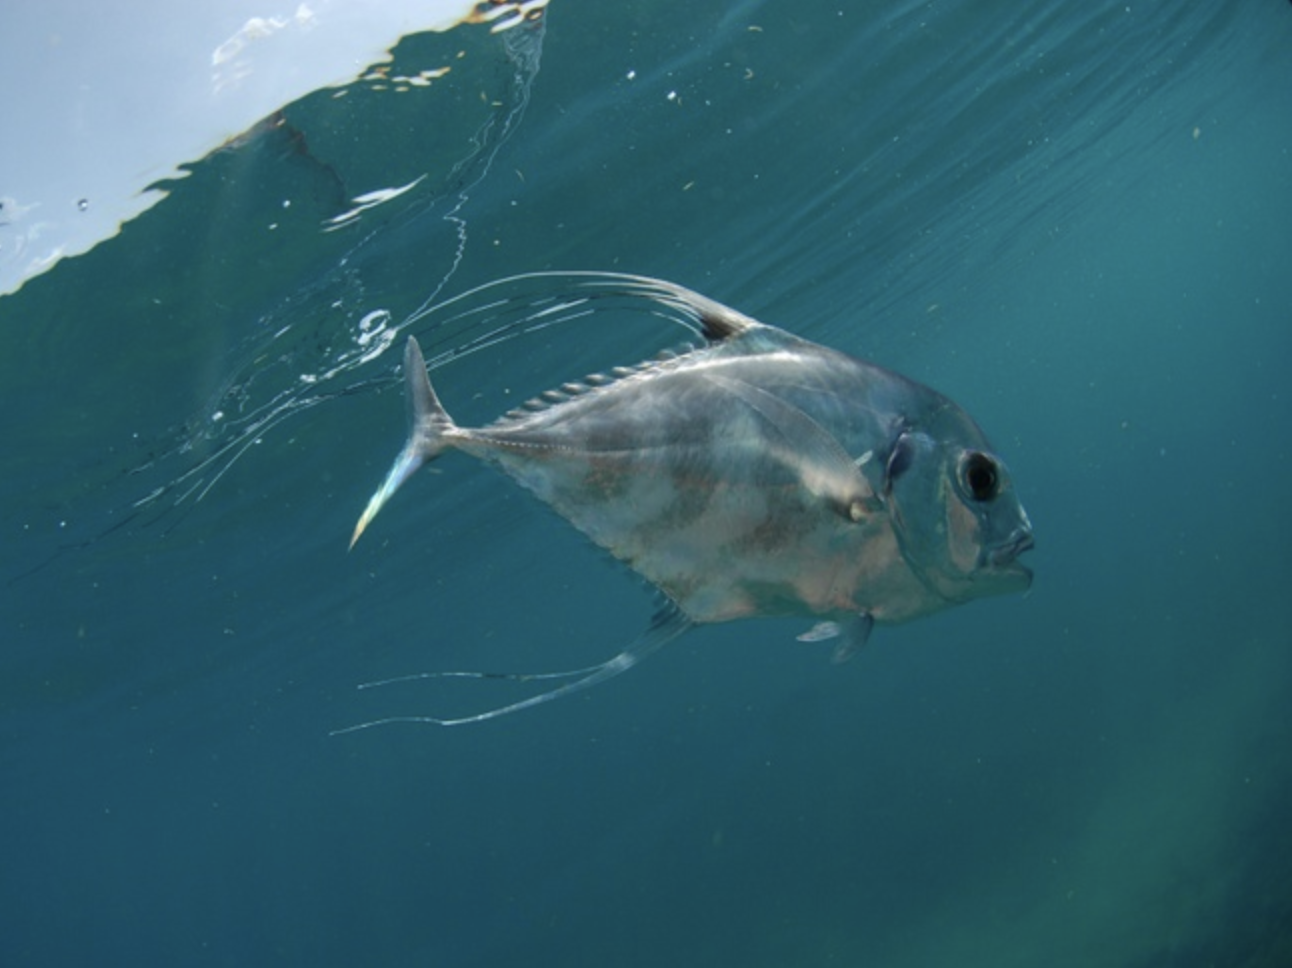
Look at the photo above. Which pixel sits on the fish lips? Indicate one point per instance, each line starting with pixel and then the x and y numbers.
pixel 1003 561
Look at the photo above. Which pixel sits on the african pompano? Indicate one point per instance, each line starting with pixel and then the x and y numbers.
pixel 757 474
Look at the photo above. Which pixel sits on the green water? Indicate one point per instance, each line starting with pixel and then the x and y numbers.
pixel 1073 221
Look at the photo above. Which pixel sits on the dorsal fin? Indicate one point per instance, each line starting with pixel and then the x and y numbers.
pixel 720 322
pixel 717 322
pixel 593 382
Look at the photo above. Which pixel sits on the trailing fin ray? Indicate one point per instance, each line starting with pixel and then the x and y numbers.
pixel 667 625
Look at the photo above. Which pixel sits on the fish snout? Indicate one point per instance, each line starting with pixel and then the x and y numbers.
pixel 1005 555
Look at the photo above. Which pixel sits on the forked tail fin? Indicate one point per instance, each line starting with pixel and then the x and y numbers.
pixel 429 427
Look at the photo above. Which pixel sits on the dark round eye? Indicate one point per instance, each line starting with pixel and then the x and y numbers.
pixel 981 476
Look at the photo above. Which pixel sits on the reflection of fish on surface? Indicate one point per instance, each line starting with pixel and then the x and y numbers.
pixel 759 474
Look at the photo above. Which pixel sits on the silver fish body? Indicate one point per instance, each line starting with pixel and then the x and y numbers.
pixel 758 474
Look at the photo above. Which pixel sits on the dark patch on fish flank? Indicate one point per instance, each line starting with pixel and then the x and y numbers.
pixel 773 598
pixel 689 505
pixel 606 480
pixel 778 529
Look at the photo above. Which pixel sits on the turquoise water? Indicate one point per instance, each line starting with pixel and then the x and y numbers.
pixel 1072 219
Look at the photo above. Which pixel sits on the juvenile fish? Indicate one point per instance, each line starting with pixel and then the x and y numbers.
pixel 759 474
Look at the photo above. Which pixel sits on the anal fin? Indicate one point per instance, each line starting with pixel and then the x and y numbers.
pixel 668 624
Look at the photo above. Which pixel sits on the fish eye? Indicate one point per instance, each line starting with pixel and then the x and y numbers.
pixel 981 476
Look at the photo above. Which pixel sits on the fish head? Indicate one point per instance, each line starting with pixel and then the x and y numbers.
pixel 957 517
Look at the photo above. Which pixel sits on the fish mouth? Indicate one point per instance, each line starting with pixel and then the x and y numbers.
pixel 1004 557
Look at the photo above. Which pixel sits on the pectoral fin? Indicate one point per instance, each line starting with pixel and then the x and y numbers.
pixel 809 450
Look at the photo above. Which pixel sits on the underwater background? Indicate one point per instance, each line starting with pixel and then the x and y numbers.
pixel 1073 219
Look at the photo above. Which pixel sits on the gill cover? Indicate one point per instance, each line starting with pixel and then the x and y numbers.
pixel 958 521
